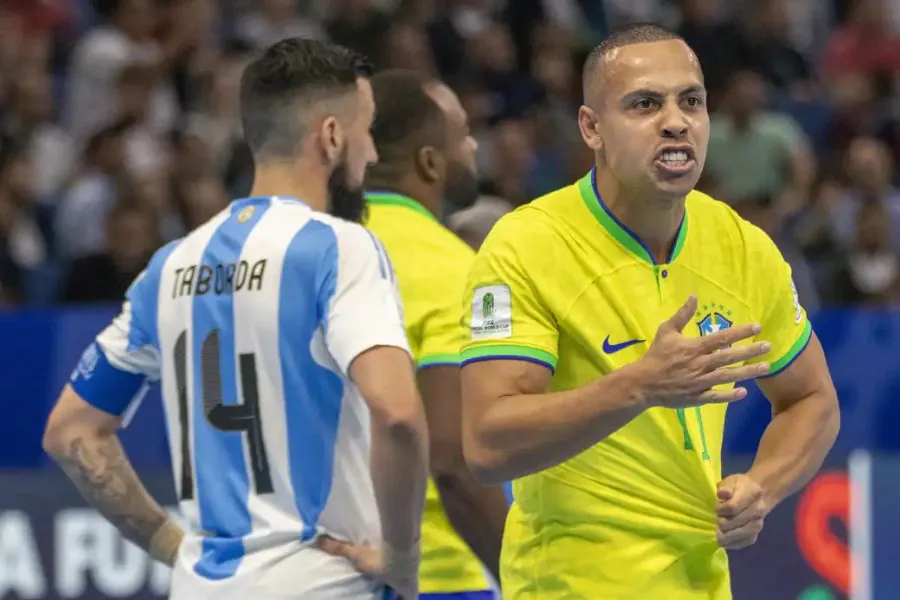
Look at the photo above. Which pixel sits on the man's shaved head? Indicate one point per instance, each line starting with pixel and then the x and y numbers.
pixel 644 113
pixel 636 33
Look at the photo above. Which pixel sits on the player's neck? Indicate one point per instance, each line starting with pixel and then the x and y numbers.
pixel 406 186
pixel 283 179
pixel 653 219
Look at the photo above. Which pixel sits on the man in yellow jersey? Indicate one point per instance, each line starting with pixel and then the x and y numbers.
pixel 609 321
pixel 426 157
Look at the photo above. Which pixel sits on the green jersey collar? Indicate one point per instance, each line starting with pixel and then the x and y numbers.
pixel 383 198
pixel 587 185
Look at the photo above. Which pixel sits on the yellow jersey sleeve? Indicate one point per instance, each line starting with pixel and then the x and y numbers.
pixel 503 306
pixel 784 321
pixel 440 330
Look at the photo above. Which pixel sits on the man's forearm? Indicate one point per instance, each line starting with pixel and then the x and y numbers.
pixel 522 434
pixel 101 472
pixel 477 513
pixel 399 475
pixel 794 446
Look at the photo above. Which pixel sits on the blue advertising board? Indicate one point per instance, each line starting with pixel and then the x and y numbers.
pixel 53 547
pixel 38 350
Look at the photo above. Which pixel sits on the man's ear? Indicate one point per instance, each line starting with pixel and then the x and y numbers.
pixel 431 164
pixel 331 139
pixel 589 127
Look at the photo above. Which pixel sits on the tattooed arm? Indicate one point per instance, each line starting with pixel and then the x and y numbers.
pixel 83 440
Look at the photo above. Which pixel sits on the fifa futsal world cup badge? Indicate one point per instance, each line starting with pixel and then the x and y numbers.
pixel 491 313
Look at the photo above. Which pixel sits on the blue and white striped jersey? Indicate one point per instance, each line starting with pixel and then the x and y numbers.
pixel 250 323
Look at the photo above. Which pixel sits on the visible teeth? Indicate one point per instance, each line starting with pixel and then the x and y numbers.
pixel 674 156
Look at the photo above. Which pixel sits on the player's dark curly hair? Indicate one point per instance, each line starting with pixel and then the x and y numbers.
pixel 281 87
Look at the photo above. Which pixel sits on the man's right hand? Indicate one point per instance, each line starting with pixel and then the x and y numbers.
pixel 679 372
pixel 398 571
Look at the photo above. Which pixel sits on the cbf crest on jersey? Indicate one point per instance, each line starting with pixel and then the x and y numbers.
pixel 712 318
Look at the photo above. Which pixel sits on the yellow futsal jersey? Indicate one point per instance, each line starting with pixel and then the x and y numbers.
pixel 561 282
pixel 431 264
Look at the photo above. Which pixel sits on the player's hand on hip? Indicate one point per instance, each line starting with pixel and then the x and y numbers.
pixel 681 371
pixel 399 571
pixel 741 510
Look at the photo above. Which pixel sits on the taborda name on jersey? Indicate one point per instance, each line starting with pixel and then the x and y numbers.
pixel 198 280
pixel 491 313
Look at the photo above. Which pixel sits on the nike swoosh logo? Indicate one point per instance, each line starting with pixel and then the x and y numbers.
pixel 613 348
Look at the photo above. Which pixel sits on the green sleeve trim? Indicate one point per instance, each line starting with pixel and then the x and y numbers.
pixel 433 360
pixel 509 351
pixel 791 355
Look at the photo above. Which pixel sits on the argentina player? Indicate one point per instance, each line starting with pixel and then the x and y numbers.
pixel 276 333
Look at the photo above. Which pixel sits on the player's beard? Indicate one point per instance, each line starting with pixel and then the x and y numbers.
pixel 461 190
pixel 345 201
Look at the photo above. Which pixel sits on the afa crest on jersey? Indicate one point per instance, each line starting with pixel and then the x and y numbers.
pixel 712 318
pixel 246 214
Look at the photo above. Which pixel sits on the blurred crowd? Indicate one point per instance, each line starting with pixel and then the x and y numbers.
pixel 119 126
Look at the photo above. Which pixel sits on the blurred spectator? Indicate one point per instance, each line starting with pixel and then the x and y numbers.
pixel 638 11
pixel 154 192
pixel 274 20
pixel 869 170
pixel 147 95
pixel 810 23
pixel 201 197
pixel 556 115
pixel 494 65
pixel 719 43
pixel 513 161
pixel 406 47
pixel 813 229
pixel 754 153
pixel 869 273
pixel 474 223
pixel 51 153
pixel 144 151
pixel 772 49
pixel 24 43
pixel 860 108
pixel 191 156
pixel 450 29
pixel 581 21
pixel 764 213
pixel 554 70
pixel 12 40
pixel 40 18
pixel 216 122
pixel 104 276
pixel 199 45
pixel 126 38
pixel 865 45
pixel 24 236
pixel 359 25
pixel 82 211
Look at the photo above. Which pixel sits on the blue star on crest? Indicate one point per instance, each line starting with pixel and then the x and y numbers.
pixel 712 323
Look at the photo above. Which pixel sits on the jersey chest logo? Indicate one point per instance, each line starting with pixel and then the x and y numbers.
pixel 711 318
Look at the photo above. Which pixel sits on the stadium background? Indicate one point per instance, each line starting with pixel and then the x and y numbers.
pixel 118 132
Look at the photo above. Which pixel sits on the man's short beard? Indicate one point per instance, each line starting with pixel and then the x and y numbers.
pixel 344 201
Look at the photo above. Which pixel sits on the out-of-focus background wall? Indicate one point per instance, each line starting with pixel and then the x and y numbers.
pixel 119 132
